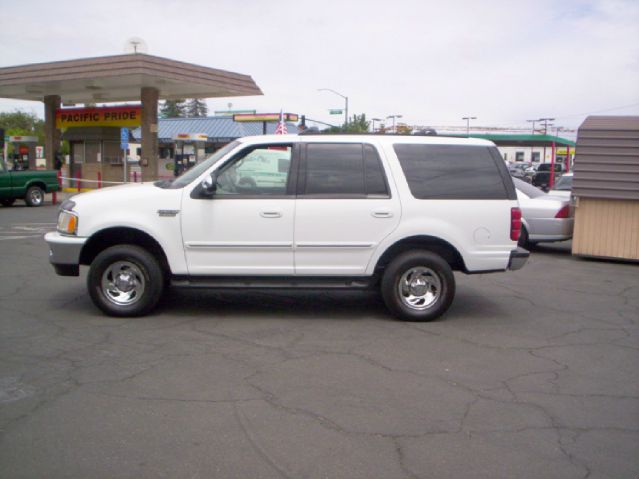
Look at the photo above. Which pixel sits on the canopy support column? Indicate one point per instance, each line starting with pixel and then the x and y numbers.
pixel 150 148
pixel 51 133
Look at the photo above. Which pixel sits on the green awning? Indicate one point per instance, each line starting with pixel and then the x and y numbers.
pixel 519 140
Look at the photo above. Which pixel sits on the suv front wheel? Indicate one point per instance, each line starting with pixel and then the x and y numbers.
pixel 125 280
pixel 418 286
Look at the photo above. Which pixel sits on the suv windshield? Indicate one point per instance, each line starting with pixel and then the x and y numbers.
pixel 190 175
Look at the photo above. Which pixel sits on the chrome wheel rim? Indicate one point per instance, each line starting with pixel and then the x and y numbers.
pixel 36 196
pixel 419 288
pixel 123 283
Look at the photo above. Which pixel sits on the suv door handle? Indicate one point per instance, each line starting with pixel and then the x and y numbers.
pixel 382 214
pixel 271 214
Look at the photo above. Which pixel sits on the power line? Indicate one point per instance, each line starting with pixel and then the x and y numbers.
pixel 599 111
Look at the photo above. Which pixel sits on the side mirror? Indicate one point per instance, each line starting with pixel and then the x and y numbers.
pixel 209 185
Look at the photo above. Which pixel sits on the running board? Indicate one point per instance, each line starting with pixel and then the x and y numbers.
pixel 273 282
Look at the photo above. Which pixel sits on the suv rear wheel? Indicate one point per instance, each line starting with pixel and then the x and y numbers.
pixel 418 286
pixel 125 280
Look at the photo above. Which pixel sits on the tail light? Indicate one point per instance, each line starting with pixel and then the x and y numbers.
pixel 563 212
pixel 515 223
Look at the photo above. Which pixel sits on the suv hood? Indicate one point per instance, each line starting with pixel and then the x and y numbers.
pixel 130 195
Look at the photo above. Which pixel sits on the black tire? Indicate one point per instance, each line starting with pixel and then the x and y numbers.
pixel 7 201
pixel 34 196
pixel 523 238
pixel 136 289
pixel 427 267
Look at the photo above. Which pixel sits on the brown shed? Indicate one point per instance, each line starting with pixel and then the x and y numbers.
pixel 606 188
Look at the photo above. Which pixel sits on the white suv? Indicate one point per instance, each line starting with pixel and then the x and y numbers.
pixel 311 211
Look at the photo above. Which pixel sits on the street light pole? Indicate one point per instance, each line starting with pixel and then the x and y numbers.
pixel 374 120
pixel 394 117
pixel 468 118
pixel 345 104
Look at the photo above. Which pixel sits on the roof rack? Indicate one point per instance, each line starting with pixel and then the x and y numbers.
pixel 315 131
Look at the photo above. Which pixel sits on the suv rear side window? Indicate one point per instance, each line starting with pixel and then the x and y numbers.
pixel 339 170
pixel 446 172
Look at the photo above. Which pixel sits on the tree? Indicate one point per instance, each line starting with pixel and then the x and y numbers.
pixel 196 108
pixel 21 123
pixel 357 125
pixel 173 109
pixel 404 129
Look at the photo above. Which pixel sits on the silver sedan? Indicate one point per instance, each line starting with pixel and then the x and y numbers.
pixel 544 217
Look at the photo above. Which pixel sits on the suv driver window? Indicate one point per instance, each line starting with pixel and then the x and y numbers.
pixel 260 171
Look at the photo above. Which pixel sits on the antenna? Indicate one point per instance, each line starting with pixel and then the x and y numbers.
pixel 135 45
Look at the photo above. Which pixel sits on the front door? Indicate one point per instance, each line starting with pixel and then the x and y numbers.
pixel 246 228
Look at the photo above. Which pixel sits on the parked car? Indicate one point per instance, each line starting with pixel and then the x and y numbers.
pixel 542 176
pixel 518 170
pixel 27 185
pixel 518 166
pixel 563 187
pixel 544 217
pixel 398 213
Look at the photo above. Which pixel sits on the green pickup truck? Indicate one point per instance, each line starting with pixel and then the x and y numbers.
pixel 29 185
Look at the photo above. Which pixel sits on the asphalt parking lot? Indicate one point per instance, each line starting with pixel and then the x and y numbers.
pixel 531 374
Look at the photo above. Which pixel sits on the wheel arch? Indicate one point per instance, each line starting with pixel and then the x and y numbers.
pixel 108 237
pixel 424 242
pixel 39 183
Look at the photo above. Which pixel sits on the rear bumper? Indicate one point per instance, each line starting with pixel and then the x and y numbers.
pixel 551 229
pixel 64 253
pixel 518 258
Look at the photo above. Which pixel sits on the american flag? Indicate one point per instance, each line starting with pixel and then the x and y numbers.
pixel 281 126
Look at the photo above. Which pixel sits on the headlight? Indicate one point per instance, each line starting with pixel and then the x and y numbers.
pixel 67 222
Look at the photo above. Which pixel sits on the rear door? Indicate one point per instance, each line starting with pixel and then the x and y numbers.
pixel 344 208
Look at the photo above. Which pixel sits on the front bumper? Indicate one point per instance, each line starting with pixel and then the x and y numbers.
pixel 518 258
pixel 64 253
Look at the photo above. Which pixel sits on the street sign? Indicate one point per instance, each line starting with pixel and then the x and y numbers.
pixel 124 138
pixel 335 112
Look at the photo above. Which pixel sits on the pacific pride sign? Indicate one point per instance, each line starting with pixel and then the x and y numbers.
pixel 105 116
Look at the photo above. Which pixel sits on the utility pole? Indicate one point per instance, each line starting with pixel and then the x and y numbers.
pixel 468 118
pixel 532 148
pixel 545 122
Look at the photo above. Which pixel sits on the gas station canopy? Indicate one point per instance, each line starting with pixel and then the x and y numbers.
pixel 504 139
pixel 120 78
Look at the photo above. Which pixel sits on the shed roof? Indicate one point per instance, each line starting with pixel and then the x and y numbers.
pixel 219 129
pixel 120 78
pixel 607 158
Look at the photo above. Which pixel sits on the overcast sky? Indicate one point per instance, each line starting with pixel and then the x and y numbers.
pixel 431 61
